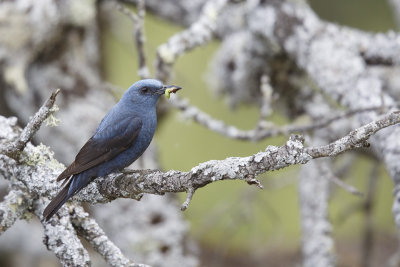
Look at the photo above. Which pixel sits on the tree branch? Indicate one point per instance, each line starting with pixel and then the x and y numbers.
pixel 338 64
pixel 133 183
pixel 91 231
pixel 317 241
pixel 138 34
pixel 349 188
pixel 199 33
pixel 15 148
pixel 14 205
pixel 260 133
pixel 356 138
pixel 60 237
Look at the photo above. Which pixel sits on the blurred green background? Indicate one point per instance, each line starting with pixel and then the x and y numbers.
pixel 232 217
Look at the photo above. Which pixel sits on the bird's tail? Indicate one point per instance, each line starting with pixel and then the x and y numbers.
pixel 57 202
pixel 73 186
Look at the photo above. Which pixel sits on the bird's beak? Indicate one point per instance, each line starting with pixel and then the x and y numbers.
pixel 167 89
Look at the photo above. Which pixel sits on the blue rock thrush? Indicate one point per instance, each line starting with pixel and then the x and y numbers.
pixel 122 137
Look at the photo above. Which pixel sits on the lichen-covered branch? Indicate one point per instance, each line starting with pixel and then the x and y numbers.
pixel 60 237
pixel 199 33
pixel 338 59
pixel 14 149
pixel 132 184
pixel 14 205
pixel 355 138
pixel 260 133
pixel 34 173
pixel 317 241
pixel 62 51
pixel 91 231
pixel 29 177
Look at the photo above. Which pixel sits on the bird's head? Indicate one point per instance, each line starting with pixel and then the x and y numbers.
pixel 147 92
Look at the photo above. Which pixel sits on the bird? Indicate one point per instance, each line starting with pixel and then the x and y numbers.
pixel 122 136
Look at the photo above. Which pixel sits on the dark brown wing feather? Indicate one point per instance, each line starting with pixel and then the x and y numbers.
pixel 56 203
pixel 104 145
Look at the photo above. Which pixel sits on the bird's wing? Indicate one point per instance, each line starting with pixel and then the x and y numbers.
pixel 104 145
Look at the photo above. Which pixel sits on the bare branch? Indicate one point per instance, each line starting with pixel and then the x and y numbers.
pixel 199 33
pixel 349 188
pixel 138 34
pixel 356 138
pixel 133 183
pixel 130 14
pixel 265 109
pixel 91 231
pixel 317 241
pixel 15 148
pixel 339 65
pixel 143 71
pixel 259 133
pixel 189 197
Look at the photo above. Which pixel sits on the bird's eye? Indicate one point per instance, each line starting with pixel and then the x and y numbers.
pixel 145 90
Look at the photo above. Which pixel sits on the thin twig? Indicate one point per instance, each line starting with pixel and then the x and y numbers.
pixel 267 98
pixel 349 188
pixel 132 15
pixel 356 138
pixel 138 33
pixel 15 148
pixel 258 134
pixel 189 197
pixel 140 38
